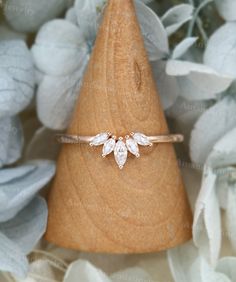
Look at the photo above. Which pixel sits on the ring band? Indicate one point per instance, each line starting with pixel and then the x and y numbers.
pixel 121 145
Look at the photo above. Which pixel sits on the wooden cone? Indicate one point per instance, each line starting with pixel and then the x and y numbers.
pixel 93 205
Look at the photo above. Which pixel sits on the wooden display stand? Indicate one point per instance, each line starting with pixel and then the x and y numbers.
pixel 93 205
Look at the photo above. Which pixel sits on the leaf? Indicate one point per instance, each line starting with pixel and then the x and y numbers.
pixel 27 228
pixel 167 85
pixel 29 15
pixel 183 47
pixel 12 258
pixel 231 212
pixel 17 79
pixel 175 17
pixel 59 48
pixel 227 9
pixel 17 193
pixel 131 274
pixel 11 140
pixel 205 133
pixel 86 272
pixel 185 113
pixel 196 81
pixel 207 221
pixel 186 265
pixel 224 151
pixel 55 110
pixel 154 34
pixel 220 52
pixel 227 265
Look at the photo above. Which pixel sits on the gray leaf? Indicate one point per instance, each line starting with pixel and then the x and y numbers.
pixel 183 47
pixel 174 18
pixel 16 77
pixel 207 221
pixel 197 81
pixel 167 85
pixel 29 15
pixel 28 226
pixel 11 140
pixel 227 9
pixel 203 137
pixel 17 193
pixel 220 53
pixel 12 259
pixel 154 34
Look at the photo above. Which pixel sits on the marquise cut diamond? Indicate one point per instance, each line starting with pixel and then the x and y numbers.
pixel 132 147
pixel 141 139
pixel 120 146
pixel 120 153
pixel 99 139
pixel 108 147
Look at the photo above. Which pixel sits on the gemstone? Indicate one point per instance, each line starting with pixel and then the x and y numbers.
pixel 108 147
pixel 132 147
pixel 141 139
pixel 120 153
pixel 99 139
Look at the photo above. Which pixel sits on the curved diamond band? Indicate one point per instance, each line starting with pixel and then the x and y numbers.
pixel 120 145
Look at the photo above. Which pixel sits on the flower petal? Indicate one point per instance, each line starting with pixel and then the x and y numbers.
pixel 88 13
pixel 11 140
pixel 28 226
pixel 19 191
pixel 59 48
pixel 17 78
pixel 12 259
pixel 55 110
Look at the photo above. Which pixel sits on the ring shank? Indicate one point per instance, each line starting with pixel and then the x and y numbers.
pixel 76 139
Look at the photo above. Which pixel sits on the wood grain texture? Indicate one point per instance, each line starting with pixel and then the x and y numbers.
pixel 94 206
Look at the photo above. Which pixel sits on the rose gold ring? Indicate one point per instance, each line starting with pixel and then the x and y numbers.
pixel 120 145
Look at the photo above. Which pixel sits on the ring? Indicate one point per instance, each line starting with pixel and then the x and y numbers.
pixel 120 145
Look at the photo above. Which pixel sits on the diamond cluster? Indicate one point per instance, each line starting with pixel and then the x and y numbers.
pixel 120 146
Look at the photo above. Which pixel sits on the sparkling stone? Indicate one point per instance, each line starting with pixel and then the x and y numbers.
pixel 141 139
pixel 108 147
pixel 99 139
pixel 132 147
pixel 120 153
